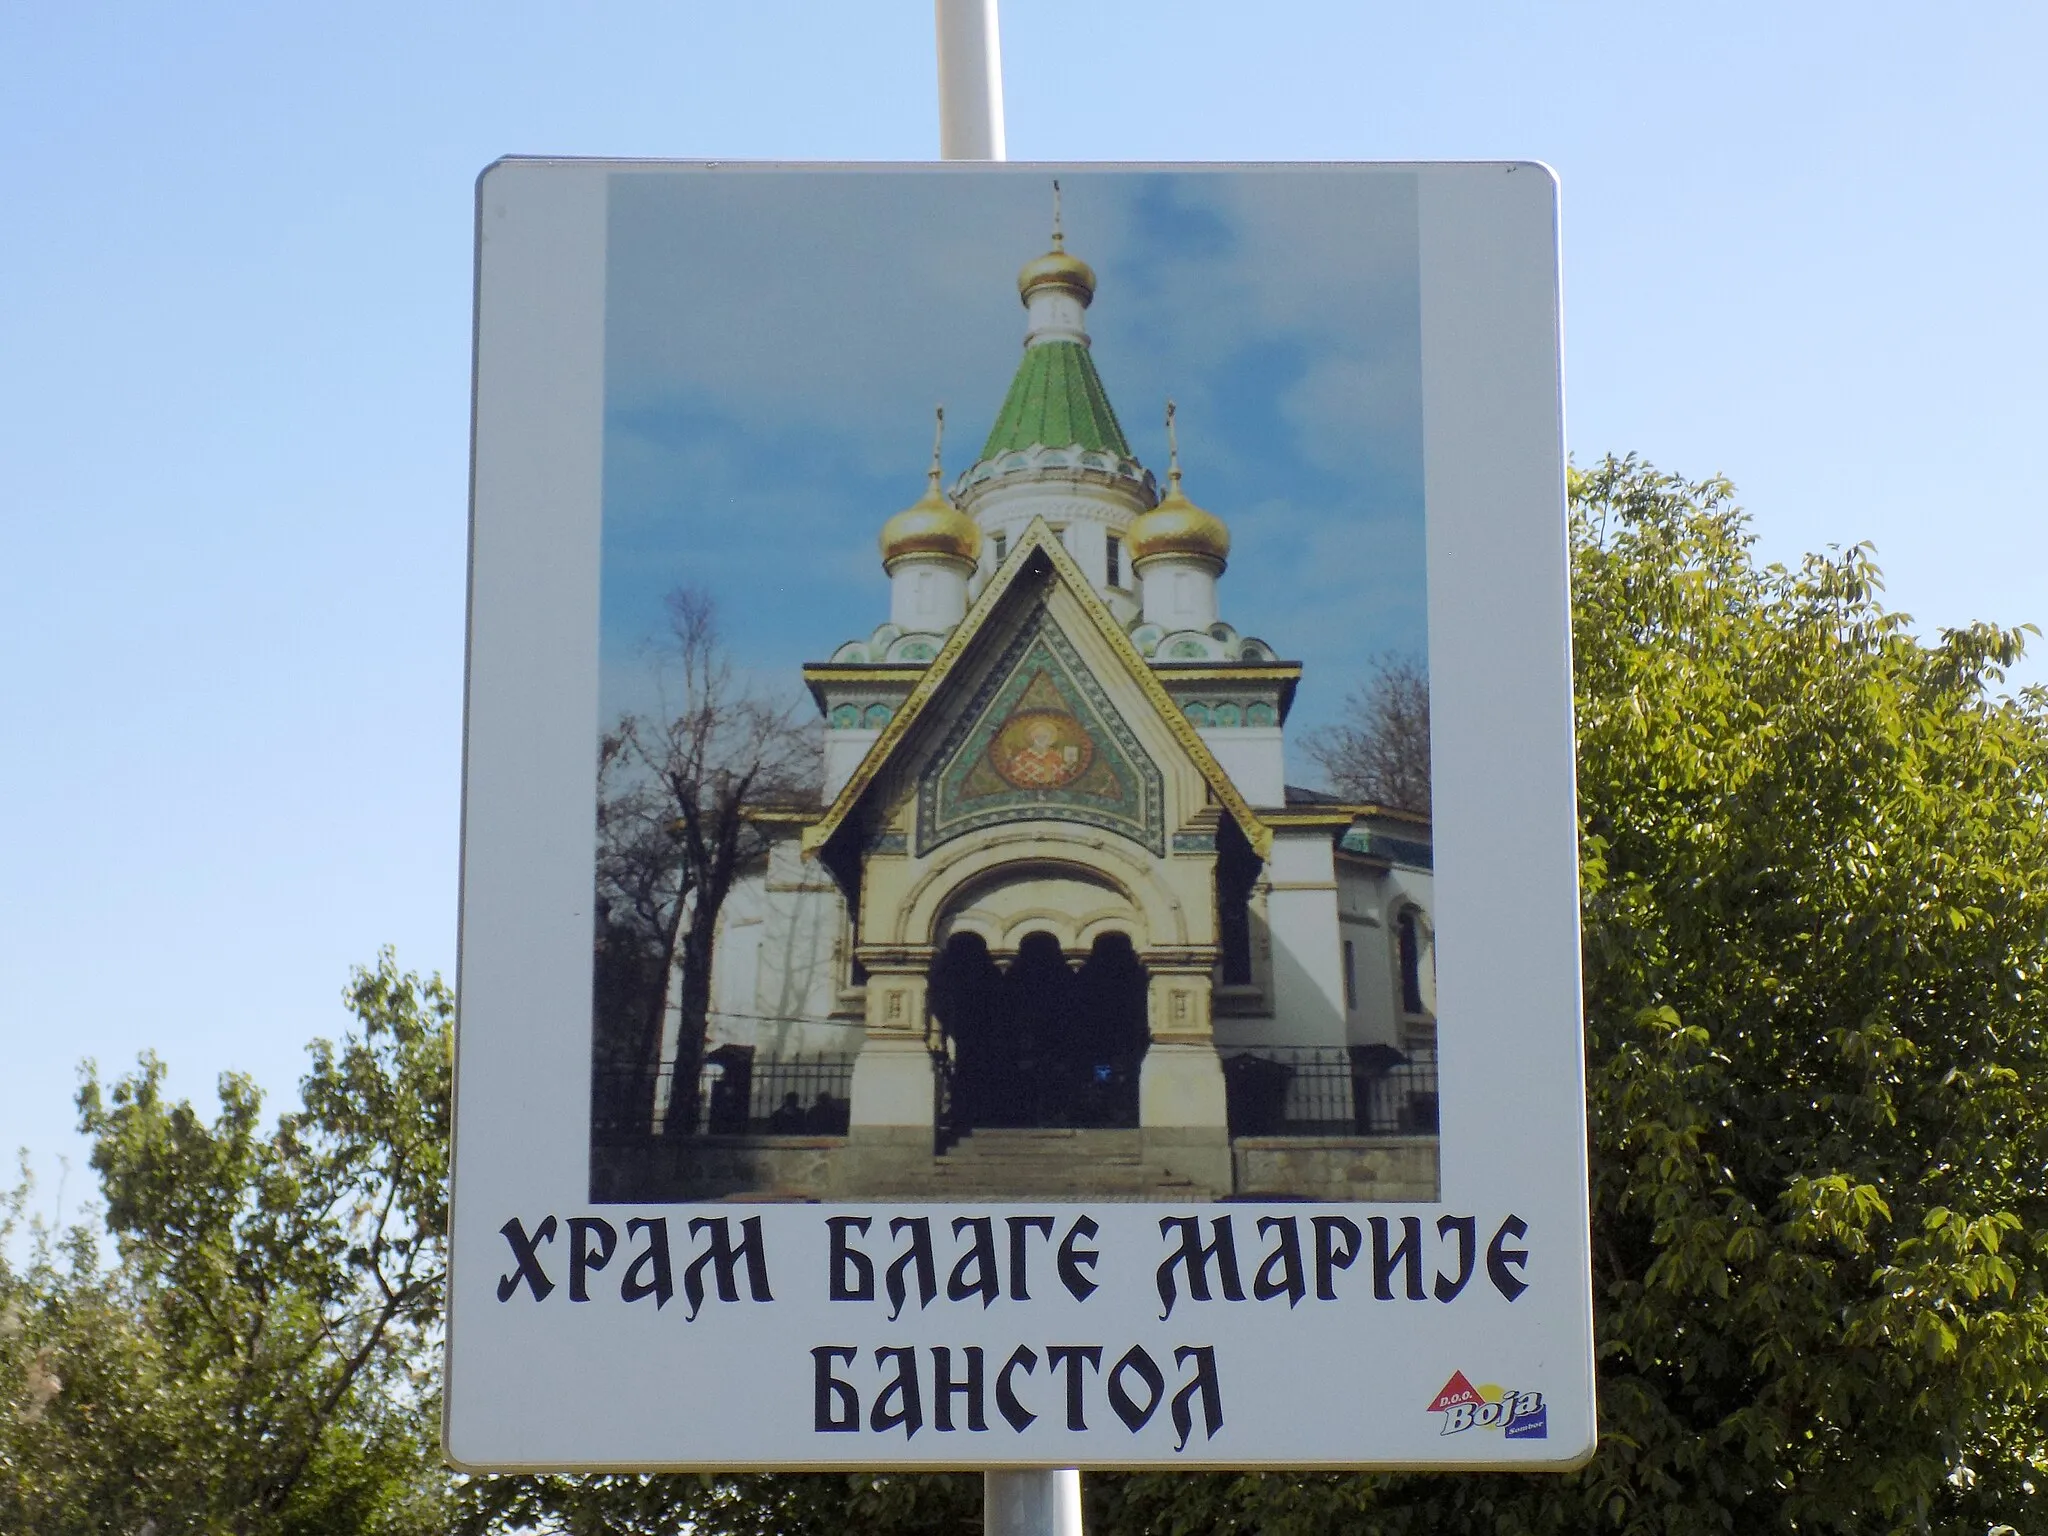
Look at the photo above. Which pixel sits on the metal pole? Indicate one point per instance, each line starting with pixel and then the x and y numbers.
pixel 970 81
pixel 1033 1502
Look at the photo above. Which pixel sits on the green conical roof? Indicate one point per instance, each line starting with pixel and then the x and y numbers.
pixel 1056 401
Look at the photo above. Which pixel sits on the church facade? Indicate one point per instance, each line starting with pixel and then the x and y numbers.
pixel 1059 927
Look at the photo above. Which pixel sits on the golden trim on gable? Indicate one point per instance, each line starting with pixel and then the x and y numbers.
pixel 1209 672
pixel 1040 537
pixel 1335 815
pixel 782 815
pixel 864 672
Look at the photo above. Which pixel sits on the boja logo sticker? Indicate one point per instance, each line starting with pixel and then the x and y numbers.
pixel 1517 1414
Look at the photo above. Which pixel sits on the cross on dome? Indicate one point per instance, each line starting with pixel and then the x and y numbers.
pixel 1177 526
pixel 931 526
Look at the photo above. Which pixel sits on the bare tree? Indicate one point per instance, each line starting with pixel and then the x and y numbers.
pixel 674 790
pixel 1379 751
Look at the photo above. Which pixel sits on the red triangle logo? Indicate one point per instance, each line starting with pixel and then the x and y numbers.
pixel 1457 1390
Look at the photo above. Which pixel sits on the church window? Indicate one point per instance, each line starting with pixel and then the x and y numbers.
pixel 1409 937
pixel 1350 978
pixel 1002 547
pixel 1116 561
pixel 1237 870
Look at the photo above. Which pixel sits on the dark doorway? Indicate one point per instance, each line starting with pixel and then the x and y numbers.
pixel 1036 1043
pixel 966 989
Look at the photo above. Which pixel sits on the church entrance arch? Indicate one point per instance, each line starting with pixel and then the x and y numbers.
pixel 1043 1037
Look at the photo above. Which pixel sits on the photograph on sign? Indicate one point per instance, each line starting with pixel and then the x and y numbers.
pixel 1021 902
pixel 1019 855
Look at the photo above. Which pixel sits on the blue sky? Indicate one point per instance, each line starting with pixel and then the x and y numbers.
pixel 775 345
pixel 1802 245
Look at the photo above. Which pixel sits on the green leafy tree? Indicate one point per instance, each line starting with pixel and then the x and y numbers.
pixel 748 1504
pixel 1815 885
pixel 258 1353
pixel 1815 878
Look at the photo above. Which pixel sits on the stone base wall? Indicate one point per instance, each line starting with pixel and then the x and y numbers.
pixel 896 1163
pixel 881 1161
pixel 1196 1155
pixel 1336 1168
pixel 746 1168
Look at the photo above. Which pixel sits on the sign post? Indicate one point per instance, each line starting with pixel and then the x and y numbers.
pixel 970 80
pixel 916 1010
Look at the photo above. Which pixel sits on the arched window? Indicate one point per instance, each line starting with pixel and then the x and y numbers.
pixel 1234 924
pixel 1408 935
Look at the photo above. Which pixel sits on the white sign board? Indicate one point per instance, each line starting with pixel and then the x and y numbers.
pixel 939 987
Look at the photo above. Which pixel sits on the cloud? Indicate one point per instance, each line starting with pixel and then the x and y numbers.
pixel 776 340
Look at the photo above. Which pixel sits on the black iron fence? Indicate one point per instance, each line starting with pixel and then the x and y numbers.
pixel 1270 1090
pixel 1320 1090
pixel 945 1129
pixel 738 1094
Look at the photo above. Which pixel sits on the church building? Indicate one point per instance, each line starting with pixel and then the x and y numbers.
pixel 1060 928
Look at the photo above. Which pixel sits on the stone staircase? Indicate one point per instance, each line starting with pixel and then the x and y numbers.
pixel 1054 1165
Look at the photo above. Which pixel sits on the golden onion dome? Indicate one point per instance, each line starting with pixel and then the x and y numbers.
pixel 931 526
pixel 1056 269
pixel 1178 527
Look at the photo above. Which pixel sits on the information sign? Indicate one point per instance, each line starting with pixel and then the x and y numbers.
pixel 1019 901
